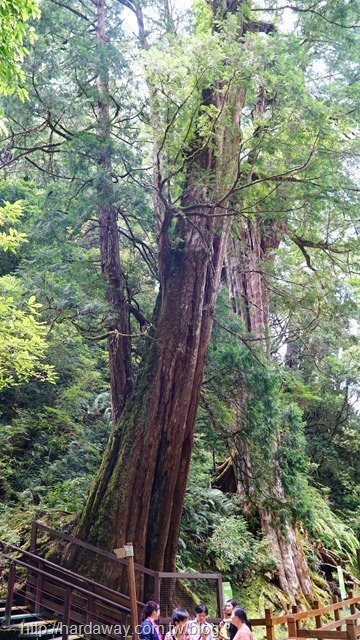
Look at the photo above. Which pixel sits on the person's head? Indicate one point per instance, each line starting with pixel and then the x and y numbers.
pixel 201 612
pixel 180 618
pixel 229 607
pixel 239 617
pixel 151 610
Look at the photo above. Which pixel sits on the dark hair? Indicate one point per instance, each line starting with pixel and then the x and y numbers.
pixel 232 602
pixel 179 615
pixel 201 608
pixel 240 613
pixel 149 608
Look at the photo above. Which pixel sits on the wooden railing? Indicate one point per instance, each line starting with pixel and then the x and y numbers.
pixel 159 585
pixel 324 630
pixel 60 593
pixel 75 597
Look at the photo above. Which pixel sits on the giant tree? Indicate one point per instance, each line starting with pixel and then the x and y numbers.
pixel 214 158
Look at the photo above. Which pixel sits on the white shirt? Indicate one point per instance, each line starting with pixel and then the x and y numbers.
pixel 200 630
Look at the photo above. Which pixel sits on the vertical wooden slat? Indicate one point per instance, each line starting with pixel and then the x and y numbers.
pixel 318 622
pixel 334 600
pixel 129 551
pixel 350 629
pixel 295 609
pixel 66 615
pixel 219 597
pixel 352 606
pixel 270 631
pixel 39 583
pixel 292 627
pixel 33 538
pixel 10 593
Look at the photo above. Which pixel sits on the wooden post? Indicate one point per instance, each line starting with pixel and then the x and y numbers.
pixel 219 597
pixel 295 609
pixel 39 583
pixel 334 600
pixel 292 627
pixel 318 622
pixel 129 555
pixel 89 607
pixel 10 593
pixel 33 538
pixel 66 615
pixel 352 606
pixel 350 629
pixel 270 631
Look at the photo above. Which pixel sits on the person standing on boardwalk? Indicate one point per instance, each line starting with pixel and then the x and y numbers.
pixel 227 630
pixel 240 621
pixel 149 629
pixel 179 626
pixel 199 629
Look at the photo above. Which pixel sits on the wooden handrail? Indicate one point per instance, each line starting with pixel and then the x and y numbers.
pixel 339 623
pixel 330 631
pixel 156 575
pixel 112 556
pixel 90 547
pixel 303 615
pixel 71 573
pixel 322 634
pixel 188 576
pixel 64 582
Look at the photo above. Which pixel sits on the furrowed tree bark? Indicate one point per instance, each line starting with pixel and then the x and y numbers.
pixel 119 342
pixel 249 258
pixel 247 263
pixel 139 491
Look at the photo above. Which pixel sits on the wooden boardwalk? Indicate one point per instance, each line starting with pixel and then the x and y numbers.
pixel 42 593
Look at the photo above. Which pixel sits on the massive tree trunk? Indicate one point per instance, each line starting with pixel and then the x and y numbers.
pixel 139 491
pixel 119 343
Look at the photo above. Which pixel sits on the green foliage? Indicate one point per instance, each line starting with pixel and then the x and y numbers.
pixel 14 16
pixel 327 528
pixel 11 238
pixel 23 345
pixel 51 450
pixel 214 533
pixel 237 551
pixel 22 335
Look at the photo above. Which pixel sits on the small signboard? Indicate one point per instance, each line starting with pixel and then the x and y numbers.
pixel 341 583
pixel 227 591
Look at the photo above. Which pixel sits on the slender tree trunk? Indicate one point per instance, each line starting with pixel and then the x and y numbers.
pixel 119 344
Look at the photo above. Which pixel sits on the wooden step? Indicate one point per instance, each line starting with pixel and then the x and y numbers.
pixel 70 638
pixel 40 634
pixel 15 608
pixel 25 625
pixel 46 632
pixel 20 616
